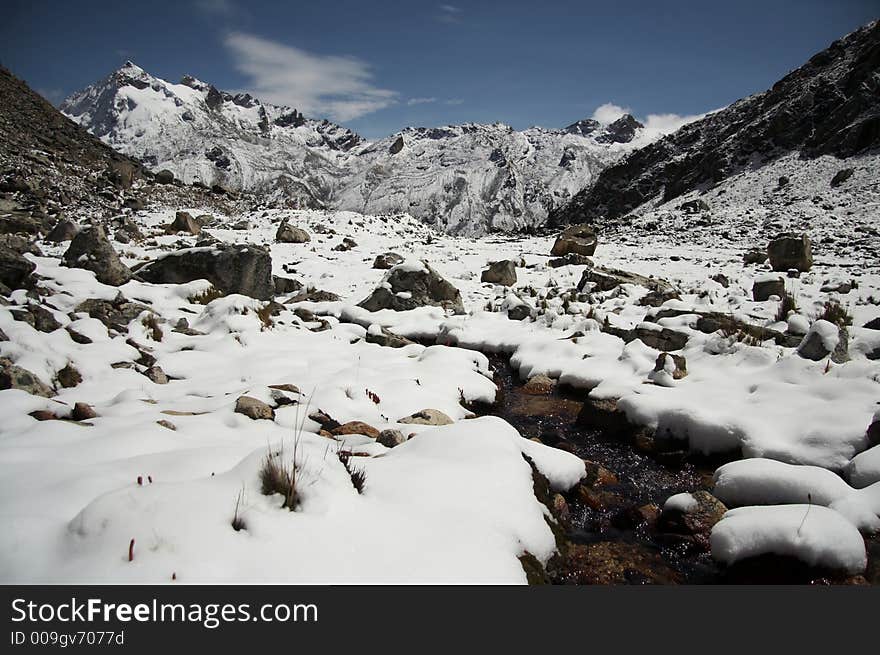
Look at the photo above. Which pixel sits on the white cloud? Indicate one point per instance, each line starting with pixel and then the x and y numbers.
pixel 656 125
pixel 609 112
pixel 420 101
pixel 449 14
pixel 667 123
pixel 337 87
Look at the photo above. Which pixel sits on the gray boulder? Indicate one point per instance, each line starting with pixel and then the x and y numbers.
pixel 230 268
pixel 825 339
pixel 503 272
pixel 387 260
pixel 762 289
pixel 15 270
pixel 15 377
pixel 184 222
pixel 407 286
pixel 790 251
pixel 92 250
pixel 64 230
pixel 253 408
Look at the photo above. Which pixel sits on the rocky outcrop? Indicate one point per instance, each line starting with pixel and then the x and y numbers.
pixel 411 285
pixel 15 269
pixel 828 106
pixel 230 268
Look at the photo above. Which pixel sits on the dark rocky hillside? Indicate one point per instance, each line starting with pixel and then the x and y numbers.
pixel 49 164
pixel 828 106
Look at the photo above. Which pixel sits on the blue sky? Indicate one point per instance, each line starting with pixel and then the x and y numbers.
pixel 380 66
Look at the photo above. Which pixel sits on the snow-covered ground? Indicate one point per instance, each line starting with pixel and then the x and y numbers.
pixel 454 503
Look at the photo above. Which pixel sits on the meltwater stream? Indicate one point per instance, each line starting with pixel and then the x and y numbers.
pixel 615 511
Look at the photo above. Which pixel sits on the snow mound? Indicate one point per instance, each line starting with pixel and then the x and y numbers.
pixel 817 536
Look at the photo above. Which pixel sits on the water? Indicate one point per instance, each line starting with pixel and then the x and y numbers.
pixel 611 516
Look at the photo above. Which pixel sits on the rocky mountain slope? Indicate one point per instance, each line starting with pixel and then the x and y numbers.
pixel 50 166
pixel 828 106
pixel 468 178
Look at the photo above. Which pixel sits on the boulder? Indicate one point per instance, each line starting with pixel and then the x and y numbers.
pixel 519 312
pixel 15 270
pixel 391 438
pixel 825 339
pixel 503 273
pixel 694 206
pixel 387 260
pixel 165 177
pixel 15 377
pixel 288 233
pixel 842 176
pixel 116 314
pixel 397 146
pixel 755 256
pixel 413 284
pixel 156 374
pixel 356 427
pixel 571 259
pixel 285 285
pixel 692 516
pixel 92 250
pixel 599 278
pixel 579 239
pixel 427 417
pixel 64 230
pixel 668 368
pixel 790 251
pixel 69 377
pixel 184 222
pixel 539 385
pixel 253 408
pixel 21 245
pixel 83 412
pixel 385 337
pixel 230 268
pixel 663 339
pixel 764 287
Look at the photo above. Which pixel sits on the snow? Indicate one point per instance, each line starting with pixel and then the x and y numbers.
pixel 765 481
pixel 463 179
pixel 742 398
pixel 683 502
pixel 815 535
pixel 864 469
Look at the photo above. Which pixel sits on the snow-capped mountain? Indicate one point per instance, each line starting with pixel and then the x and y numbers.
pixel 469 179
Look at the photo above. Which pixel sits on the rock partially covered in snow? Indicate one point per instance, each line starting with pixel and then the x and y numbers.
pixel 15 270
pixel 15 377
pixel 766 286
pixel 243 269
pixel 815 535
pixel 825 339
pixel 184 222
pixel 92 250
pixel 387 260
pixel 578 239
pixel 503 273
pixel 253 408
pixel 427 417
pixel 692 515
pixel 413 284
pixel 668 368
pixel 288 233
pixel 790 251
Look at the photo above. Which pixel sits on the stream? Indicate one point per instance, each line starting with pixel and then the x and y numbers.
pixel 612 524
